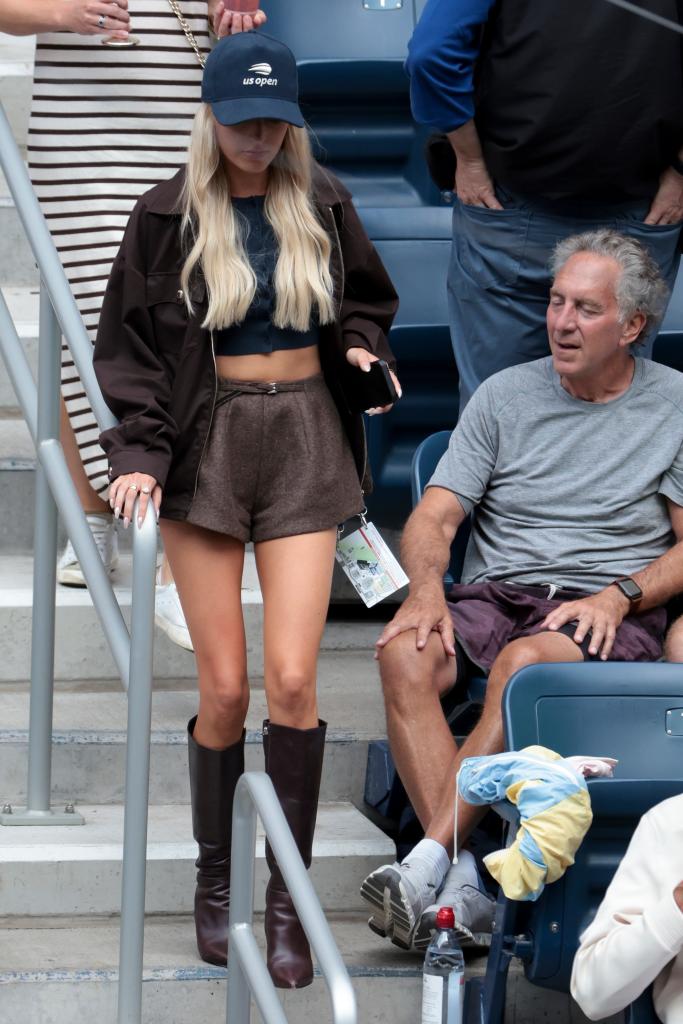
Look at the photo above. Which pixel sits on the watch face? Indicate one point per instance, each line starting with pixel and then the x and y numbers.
pixel 630 588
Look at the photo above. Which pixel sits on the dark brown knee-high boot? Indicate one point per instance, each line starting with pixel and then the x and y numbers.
pixel 294 761
pixel 213 777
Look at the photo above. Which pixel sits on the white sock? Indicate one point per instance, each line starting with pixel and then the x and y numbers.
pixel 463 873
pixel 432 856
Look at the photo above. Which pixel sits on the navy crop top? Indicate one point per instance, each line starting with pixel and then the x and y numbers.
pixel 257 333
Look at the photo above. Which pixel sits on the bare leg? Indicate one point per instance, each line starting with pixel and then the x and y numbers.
pixel 296 576
pixel 90 499
pixel 421 742
pixel 673 645
pixel 208 571
pixel 403 897
pixel 487 736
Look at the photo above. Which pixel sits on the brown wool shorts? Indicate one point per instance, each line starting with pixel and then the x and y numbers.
pixel 277 462
pixel 487 616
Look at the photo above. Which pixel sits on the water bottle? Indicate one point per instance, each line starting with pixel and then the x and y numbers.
pixel 443 977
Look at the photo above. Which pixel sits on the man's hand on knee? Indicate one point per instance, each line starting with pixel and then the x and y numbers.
pixel 425 611
pixel 600 614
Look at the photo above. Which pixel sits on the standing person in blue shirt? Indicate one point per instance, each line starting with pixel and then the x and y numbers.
pixel 562 117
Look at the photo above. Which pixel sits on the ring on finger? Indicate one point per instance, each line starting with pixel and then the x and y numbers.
pixel 133 487
pixel 145 490
pixel 101 20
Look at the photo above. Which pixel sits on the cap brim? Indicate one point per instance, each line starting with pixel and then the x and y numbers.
pixel 248 109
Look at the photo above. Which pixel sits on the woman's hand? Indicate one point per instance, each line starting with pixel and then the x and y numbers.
pixel 361 358
pixel 125 489
pixel 226 21
pixel 83 16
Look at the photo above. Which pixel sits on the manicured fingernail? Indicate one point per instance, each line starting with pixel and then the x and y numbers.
pixel 126 520
pixel 117 512
pixel 139 522
pixel 366 369
pixel 157 512
pixel 399 392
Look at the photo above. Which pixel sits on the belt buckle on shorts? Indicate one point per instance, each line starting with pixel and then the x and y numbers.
pixel 273 388
pixel 552 590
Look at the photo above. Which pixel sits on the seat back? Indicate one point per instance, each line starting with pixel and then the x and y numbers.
pixel 633 712
pixel 425 460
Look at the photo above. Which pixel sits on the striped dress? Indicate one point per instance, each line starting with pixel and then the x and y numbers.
pixel 106 124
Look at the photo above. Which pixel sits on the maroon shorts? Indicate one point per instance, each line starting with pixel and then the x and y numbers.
pixel 487 616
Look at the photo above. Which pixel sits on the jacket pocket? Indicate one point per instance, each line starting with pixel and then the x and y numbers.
pixel 165 300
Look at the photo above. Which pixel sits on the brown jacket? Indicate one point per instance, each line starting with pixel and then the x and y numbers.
pixel 154 362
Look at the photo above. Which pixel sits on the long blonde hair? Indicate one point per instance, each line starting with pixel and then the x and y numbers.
pixel 212 234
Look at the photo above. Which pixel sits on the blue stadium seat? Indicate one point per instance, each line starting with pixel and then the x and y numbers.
pixel 630 711
pixel 668 347
pixel 354 94
pixel 424 462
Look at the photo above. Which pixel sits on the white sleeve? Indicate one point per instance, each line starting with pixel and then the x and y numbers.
pixel 637 930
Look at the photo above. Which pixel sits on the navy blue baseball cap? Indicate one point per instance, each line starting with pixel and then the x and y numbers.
pixel 252 75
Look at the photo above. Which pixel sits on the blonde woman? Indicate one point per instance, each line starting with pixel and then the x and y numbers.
pixel 244 292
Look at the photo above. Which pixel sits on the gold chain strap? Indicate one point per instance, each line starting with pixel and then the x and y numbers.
pixel 189 34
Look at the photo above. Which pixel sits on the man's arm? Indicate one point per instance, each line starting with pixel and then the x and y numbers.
pixel 473 183
pixel 603 612
pixel 425 552
pixel 441 58
pixel 637 931
pixel 667 205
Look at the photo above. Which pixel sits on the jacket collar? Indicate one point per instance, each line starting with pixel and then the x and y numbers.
pixel 164 198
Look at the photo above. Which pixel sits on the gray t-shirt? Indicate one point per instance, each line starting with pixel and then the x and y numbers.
pixel 566 491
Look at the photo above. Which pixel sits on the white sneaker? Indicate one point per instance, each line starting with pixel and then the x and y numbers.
pixel 398 894
pixel 474 912
pixel 169 617
pixel 103 529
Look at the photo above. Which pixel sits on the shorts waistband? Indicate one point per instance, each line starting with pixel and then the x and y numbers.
pixel 272 387
pixel 549 591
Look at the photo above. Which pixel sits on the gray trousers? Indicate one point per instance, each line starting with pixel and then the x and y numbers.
pixel 498 279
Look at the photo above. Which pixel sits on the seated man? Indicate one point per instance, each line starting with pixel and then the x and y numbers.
pixel 573 469
pixel 637 934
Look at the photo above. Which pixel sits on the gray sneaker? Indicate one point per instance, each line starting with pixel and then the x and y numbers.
pixel 398 894
pixel 474 912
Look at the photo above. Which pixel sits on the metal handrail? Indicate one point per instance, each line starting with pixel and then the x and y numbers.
pixel 247 972
pixel 54 489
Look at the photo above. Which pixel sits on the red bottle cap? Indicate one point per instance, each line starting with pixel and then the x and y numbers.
pixel 445 917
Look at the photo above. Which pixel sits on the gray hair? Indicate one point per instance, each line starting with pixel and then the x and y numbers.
pixel 640 288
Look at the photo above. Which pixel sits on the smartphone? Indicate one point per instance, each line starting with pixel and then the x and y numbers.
pixel 373 389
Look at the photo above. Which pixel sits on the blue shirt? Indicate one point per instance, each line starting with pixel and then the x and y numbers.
pixel 258 333
pixel 441 58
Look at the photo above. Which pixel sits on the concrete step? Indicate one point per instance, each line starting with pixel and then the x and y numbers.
pixel 17 264
pixel 16 82
pixel 23 306
pixel 77 870
pixel 89 739
pixel 49 967
pixel 82 652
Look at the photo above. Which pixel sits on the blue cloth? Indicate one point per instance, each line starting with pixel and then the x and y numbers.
pixel 441 58
pixel 499 281
pixel 554 814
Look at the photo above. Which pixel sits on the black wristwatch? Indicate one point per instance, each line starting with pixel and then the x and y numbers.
pixel 629 589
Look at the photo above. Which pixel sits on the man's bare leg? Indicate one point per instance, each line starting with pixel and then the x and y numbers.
pixel 487 736
pixel 421 743
pixel 409 890
pixel 673 645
